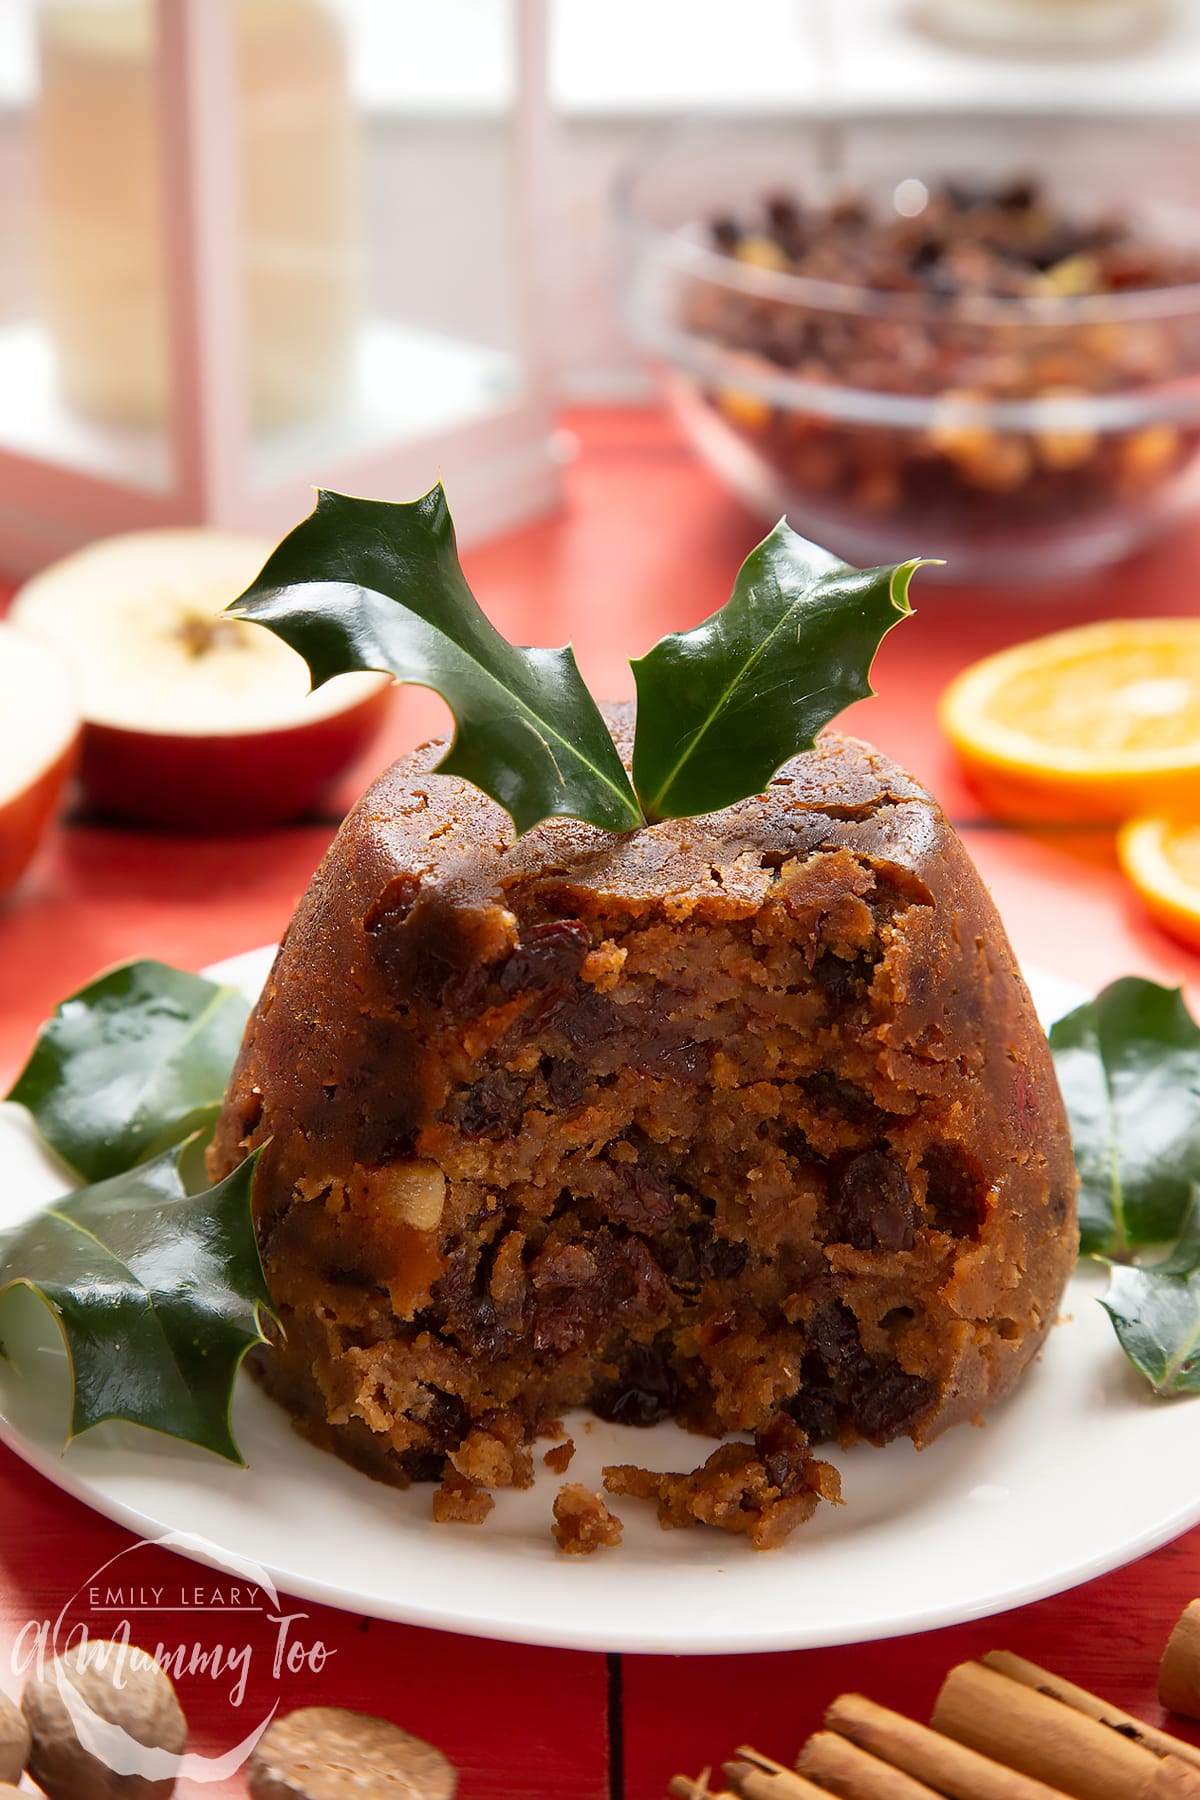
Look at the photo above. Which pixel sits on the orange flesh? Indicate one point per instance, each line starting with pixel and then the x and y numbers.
pixel 1152 702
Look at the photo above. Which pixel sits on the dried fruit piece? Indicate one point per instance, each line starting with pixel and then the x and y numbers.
pixel 780 367
pixel 326 1752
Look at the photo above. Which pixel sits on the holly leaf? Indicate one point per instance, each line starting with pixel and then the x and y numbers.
pixel 1128 1064
pixel 722 707
pixel 134 1062
pixel 159 1295
pixel 365 584
pixel 1155 1312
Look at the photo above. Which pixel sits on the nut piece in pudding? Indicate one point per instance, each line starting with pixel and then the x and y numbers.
pixel 14 1741
pixel 125 1689
pixel 326 1753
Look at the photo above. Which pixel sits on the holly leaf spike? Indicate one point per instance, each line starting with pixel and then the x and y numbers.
pixel 368 584
pixel 722 707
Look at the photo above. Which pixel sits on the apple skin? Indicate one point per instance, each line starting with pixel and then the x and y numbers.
pixel 227 783
pixel 25 817
pixel 39 736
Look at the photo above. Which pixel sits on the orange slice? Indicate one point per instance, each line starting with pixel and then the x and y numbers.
pixel 1094 724
pixel 1162 859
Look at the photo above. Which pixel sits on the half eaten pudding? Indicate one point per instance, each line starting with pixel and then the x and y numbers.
pixel 743 1120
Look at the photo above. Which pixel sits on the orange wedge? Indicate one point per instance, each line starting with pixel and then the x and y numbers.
pixel 1162 859
pixel 1095 724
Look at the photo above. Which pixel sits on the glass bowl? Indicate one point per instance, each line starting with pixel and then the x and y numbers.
pixel 1015 437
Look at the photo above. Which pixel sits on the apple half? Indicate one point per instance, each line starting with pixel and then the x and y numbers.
pixel 192 720
pixel 39 732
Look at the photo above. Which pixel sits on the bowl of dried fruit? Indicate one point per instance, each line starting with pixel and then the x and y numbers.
pixel 902 335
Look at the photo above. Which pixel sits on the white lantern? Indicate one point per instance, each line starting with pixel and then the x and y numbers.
pixel 261 245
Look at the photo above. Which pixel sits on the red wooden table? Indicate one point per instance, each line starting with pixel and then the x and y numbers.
pixel 647 543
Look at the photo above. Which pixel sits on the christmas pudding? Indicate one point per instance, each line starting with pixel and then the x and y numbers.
pixel 744 1120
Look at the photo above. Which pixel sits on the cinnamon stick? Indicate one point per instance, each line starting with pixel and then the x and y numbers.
pixel 1053 1743
pixel 939 1761
pixel 843 1769
pixel 755 1777
pixel 1172 1780
pixel 1179 1671
pixel 1136 1730
pixel 687 1787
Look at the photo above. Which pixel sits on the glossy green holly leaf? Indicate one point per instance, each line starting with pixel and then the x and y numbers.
pixel 1128 1064
pixel 134 1062
pixel 1155 1311
pixel 364 584
pixel 159 1295
pixel 722 707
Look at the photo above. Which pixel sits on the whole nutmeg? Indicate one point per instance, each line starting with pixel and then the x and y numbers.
pixel 14 1741
pixel 325 1753
pixel 106 1725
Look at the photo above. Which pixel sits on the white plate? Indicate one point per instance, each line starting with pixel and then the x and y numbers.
pixel 1080 1471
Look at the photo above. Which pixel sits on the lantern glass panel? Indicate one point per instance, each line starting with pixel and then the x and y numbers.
pixel 382 240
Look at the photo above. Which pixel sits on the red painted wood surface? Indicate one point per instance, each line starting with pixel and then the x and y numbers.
pixel 647 543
